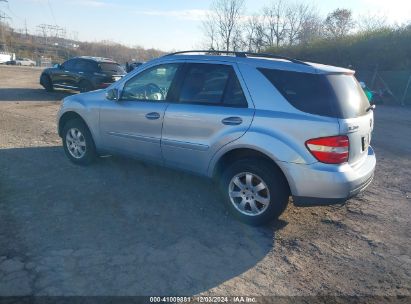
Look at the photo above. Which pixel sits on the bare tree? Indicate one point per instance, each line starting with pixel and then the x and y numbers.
pixel 254 31
pixel 339 23
pixel 225 20
pixel 297 15
pixel 311 29
pixel 275 15
pixel 209 28
pixel 238 42
pixel 370 22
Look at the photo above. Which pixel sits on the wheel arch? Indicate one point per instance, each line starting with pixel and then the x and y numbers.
pixel 67 116
pixel 45 74
pixel 240 153
pixel 86 81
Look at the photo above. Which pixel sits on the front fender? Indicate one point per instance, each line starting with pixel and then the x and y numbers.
pixel 87 106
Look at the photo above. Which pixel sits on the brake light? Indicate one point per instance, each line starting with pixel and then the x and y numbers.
pixel 329 150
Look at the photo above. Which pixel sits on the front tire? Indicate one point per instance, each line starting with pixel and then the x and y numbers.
pixel 255 191
pixel 46 83
pixel 78 143
pixel 85 86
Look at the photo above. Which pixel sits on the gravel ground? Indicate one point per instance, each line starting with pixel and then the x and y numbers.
pixel 122 227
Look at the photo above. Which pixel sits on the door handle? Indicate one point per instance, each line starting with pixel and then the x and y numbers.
pixel 152 115
pixel 232 121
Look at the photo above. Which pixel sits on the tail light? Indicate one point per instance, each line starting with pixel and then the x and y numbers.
pixel 329 150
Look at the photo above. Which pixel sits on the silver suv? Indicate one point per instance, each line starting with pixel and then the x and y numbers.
pixel 265 127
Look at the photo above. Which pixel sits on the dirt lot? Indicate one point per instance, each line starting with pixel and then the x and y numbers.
pixel 121 227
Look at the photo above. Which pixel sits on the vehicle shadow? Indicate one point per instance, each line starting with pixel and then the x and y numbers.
pixel 23 94
pixel 119 227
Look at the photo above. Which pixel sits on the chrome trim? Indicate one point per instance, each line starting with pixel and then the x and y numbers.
pixel 184 145
pixel 64 86
pixel 136 137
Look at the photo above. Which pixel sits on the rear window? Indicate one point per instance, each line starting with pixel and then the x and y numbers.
pixel 111 67
pixel 333 95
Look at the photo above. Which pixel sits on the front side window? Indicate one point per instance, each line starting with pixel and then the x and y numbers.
pixel 150 85
pixel 69 65
pixel 212 84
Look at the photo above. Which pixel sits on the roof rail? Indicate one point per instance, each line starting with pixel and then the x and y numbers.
pixel 240 54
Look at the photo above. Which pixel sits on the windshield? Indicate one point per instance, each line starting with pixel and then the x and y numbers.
pixel 111 68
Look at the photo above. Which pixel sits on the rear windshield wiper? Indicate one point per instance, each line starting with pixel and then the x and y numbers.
pixel 371 107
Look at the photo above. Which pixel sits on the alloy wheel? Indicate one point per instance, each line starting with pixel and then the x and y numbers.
pixel 249 193
pixel 76 143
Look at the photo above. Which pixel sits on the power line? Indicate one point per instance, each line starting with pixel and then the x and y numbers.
pixel 12 11
pixel 52 12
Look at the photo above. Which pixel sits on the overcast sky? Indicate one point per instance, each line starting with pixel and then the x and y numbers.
pixel 164 24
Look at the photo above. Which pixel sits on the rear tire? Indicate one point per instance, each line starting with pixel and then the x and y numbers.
pixel 78 143
pixel 46 82
pixel 254 190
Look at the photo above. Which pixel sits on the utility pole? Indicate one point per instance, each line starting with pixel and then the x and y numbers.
pixel 3 18
pixel 25 28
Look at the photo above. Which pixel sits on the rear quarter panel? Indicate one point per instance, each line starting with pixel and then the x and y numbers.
pixel 278 130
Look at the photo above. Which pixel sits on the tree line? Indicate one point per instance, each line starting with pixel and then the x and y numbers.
pixel 59 49
pixel 279 24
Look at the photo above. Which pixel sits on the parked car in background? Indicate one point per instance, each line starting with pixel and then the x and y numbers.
pixel 11 62
pixel 25 62
pixel 5 57
pixel 82 73
pixel 264 126
pixel 131 66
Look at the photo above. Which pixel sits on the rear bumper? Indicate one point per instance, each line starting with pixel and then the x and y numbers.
pixel 321 184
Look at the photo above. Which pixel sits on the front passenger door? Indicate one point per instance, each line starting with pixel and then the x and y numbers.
pixel 62 77
pixel 133 124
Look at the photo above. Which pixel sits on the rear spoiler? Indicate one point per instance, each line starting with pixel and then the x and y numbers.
pixel 329 69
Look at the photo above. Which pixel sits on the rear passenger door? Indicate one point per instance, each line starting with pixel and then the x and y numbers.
pixel 83 69
pixel 212 109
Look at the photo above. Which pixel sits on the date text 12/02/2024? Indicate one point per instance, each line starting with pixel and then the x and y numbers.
pixel 204 299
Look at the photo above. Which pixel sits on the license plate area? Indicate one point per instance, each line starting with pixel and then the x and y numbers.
pixel 365 142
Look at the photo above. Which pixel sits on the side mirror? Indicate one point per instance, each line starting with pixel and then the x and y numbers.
pixel 57 66
pixel 113 94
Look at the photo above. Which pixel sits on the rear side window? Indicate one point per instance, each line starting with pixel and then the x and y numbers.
pixel 212 84
pixel 350 96
pixel 234 95
pixel 86 66
pixel 109 67
pixel 332 95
